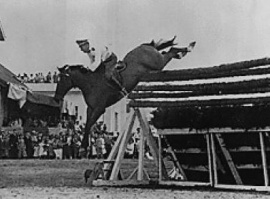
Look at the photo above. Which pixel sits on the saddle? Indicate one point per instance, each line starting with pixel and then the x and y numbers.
pixel 114 78
pixel 118 68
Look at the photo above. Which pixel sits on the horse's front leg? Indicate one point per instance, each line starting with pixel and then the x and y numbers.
pixel 92 116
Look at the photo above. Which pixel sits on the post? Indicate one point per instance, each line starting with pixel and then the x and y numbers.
pixel 118 141
pixel 141 157
pixel 121 150
pixel 229 160
pixel 159 159
pixel 264 161
pixel 215 181
pixel 175 160
pixel 150 140
pixel 209 155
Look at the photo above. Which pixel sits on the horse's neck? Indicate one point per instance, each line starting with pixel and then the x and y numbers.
pixel 81 80
pixel 86 81
pixel 100 69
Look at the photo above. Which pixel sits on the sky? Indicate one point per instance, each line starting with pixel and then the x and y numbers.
pixel 41 35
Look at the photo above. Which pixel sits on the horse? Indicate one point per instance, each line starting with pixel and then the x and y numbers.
pixel 99 94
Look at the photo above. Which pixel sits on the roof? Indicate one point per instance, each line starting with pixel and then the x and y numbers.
pixel 6 76
pixel 41 105
pixel 42 99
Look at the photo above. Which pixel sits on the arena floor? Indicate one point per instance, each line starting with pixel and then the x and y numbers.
pixel 64 179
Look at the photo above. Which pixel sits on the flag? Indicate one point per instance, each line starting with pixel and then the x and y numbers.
pixel 17 93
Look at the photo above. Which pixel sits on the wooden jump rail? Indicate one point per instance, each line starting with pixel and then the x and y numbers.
pixel 201 103
pixel 166 96
pixel 223 70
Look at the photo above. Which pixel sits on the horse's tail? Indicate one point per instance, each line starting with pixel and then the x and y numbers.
pixel 162 44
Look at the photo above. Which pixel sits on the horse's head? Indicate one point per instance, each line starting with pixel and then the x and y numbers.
pixel 64 84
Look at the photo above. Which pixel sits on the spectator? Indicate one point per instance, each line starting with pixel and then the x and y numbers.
pixel 29 145
pixel 58 147
pixel 13 145
pixel 49 78
pixel 115 136
pixel 21 147
pixel 129 153
pixel 76 144
pixel 5 146
pixel 67 146
pixel 50 152
pixel 37 78
pixel 100 147
pixel 93 152
pixel 43 148
pixel 77 126
pixel 35 142
pixel 147 152
pixel 42 78
pixel 25 78
pixel 137 134
pixel 108 143
pixel 31 79
pixel 55 77
pixel 1 145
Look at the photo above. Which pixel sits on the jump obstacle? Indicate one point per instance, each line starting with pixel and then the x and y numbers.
pixel 216 157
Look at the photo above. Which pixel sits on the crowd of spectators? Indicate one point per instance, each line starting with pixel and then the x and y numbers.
pixel 38 78
pixel 63 145
pixel 36 141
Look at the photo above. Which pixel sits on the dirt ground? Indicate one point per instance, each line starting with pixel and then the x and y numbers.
pixel 64 179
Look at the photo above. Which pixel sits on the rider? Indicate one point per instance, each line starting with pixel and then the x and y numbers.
pixel 107 58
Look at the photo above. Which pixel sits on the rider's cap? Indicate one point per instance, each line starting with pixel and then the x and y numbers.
pixel 82 42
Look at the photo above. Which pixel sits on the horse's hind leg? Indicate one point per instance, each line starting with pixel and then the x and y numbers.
pixel 172 53
pixel 162 44
pixel 177 53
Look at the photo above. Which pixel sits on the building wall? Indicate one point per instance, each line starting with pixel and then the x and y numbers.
pixel 1 108
pixel 114 116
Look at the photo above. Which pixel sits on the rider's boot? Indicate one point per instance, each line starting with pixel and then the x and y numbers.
pixel 122 89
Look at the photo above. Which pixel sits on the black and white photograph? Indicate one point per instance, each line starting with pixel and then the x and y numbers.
pixel 153 99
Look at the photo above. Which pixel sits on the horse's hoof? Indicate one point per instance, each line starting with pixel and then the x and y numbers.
pixel 87 174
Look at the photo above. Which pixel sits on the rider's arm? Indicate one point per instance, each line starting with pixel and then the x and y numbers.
pixel 105 53
pixel 92 55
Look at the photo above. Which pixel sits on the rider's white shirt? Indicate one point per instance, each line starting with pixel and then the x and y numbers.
pixel 98 56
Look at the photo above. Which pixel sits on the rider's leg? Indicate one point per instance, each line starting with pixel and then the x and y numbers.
pixel 119 85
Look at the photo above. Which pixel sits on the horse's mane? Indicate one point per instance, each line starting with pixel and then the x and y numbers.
pixel 79 67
